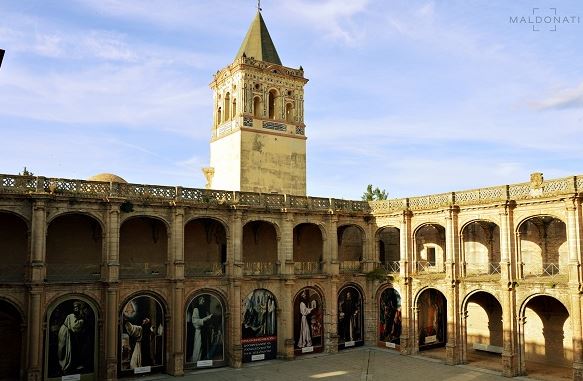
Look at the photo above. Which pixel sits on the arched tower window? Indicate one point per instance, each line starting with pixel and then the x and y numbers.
pixel 219 120
pixel 257 107
pixel 227 105
pixel 234 111
pixel 289 112
pixel 272 104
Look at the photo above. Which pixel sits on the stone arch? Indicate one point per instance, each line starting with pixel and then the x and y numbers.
pixel 207 348
pixel 289 112
pixel 21 216
pixel 429 247
pixel 257 110
pixel 205 246
pixel 482 326
pixel 351 308
pixel 143 247
pixel 431 306
pixel 480 247
pixel 308 248
pixel 87 213
pixel 308 322
pixel 388 247
pixel 545 332
pixel 388 320
pixel 72 338
pixel 74 247
pixel 14 246
pixel 13 339
pixel 351 242
pixel 142 311
pixel 260 247
pixel 542 245
pixel 273 104
pixel 227 105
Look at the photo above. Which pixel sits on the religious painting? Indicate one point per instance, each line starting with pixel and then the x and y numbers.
pixel 71 340
pixel 432 312
pixel 205 332
pixel 389 326
pixel 259 327
pixel 308 321
pixel 350 318
pixel 142 335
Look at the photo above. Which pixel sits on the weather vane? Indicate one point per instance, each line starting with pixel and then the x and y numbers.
pixel 259 5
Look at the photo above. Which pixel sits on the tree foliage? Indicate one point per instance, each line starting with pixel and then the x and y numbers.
pixel 374 194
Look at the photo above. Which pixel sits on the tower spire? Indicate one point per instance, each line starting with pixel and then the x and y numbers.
pixel 259 6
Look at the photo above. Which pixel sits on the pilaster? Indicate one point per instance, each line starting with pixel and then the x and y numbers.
pixel 38 244
pixel 111 324
pixel 34 366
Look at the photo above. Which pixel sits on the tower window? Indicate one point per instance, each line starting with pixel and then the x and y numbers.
pixel 272 104
pixel 431 256
pixel 289 112
pixel 227 105
pixel 256 107
pixel 219 115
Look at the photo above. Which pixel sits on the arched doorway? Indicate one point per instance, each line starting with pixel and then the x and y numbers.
pixel 259 326
pixel 483 331
pixel 389 248
pixel 308 249
pixel 389 323
pixel 11 339
pixel 430 248
pixel 142 336
pixel 350 317
pixel 350 247
pixel 432 319
pixel 259 248
pixel 546 337
pixel 205 331
pixel 205 247
pixel 480 248
pixel 542 247
pixel 308 321
pixel 72 340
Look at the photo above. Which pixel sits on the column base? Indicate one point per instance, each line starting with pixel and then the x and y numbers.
pixel 111 369
pixel 577 371
pixel 451 354
pixel 176 365
pixel 405 345
pixel 236 357
pixel 332 344
pixel 288 350
pixel 509 366
pixel 34 374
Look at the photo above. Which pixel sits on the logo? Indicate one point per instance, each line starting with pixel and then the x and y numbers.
pixel 545 19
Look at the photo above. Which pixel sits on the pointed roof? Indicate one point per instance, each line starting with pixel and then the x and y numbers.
pixel 258 44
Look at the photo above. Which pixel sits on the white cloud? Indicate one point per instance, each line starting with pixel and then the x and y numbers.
pixel 565 98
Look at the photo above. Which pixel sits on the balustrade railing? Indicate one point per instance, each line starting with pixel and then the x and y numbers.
pixel 203 268
pixel 482 268
pixel 349 266
pixel 424 267
pixel 307 268
pixel 259 268
pixel 138 270
pixel 391 267
pixel 542 270
pixel 59 272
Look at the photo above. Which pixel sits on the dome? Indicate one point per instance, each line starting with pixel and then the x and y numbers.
pixel 107 177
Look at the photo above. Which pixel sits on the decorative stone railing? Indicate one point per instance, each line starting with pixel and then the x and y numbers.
pixel 391 267
pixel 142 270
pixel 349 266
pixel 72 272
pixel 259 268
pixel 424 267
pixel 543 270
pixel 307 268
pixel 16 184
pixel 482 268
pixel 203 268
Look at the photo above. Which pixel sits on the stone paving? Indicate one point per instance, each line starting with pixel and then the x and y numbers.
pixel 362 364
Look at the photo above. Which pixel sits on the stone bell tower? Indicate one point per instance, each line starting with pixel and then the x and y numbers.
pixel 258 141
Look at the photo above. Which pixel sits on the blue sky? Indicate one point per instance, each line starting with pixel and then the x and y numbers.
pixel 417 97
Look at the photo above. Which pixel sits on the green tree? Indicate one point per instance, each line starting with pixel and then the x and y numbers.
pixel 26 172
pixel 374 194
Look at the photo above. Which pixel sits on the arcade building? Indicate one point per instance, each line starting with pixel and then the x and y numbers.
pixel 103 279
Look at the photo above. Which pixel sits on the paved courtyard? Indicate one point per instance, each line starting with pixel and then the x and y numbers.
pixel 362 364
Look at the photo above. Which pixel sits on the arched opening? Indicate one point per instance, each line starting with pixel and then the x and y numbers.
pixel 143 248
pixel 205 331
pixel 432 320
pixel 308 321
pixel 219 116
pixel 430 248
pixel 543 247
pixel 259 248
pixel 205 247
pixel 257 107
pixel 273 109
pixel 259 326
pixel 307 248
pixel 481 248
pixel 142 335
pixel 350 247
pixel 72 340
pixel 74 247
pixel 11 339
pixel 14 247
pixel 484 333
pixel 547 337
pixel 389 323
pixel 289 112
pixel 227 107
pixel 234 109
pixel 350 317
pixel 389 248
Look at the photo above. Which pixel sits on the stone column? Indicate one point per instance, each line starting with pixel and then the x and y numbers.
pixel 177 248
pixel 451 244
pixel 331 318
pixel 112 243
pixel 405 262
pixel 521 363
pixel 368 252
pixel 287 319
pixel 35 339
pixel 414 329
pixel 407 319
pixel 176 360
pixel 286 245
pixel 331 264
pixel 575 315
pixel 38 249
pixel 573 242
pixel 519 265
pixel 235 352
pixel 235 267
pixel 452 256
pixel 111 325
pixel 464 337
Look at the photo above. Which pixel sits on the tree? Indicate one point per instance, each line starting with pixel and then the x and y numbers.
pixel 374 194
pixel 26 172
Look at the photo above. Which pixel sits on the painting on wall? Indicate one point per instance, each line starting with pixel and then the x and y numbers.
pixel 308 321
pixel 259 326
pixel 142 335
pixel 205 332
pixel 350 318
pixel 432 319
pixel 389 328
pixel 71 340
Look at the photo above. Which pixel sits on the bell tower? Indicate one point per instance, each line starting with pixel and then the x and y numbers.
pixel 258 141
